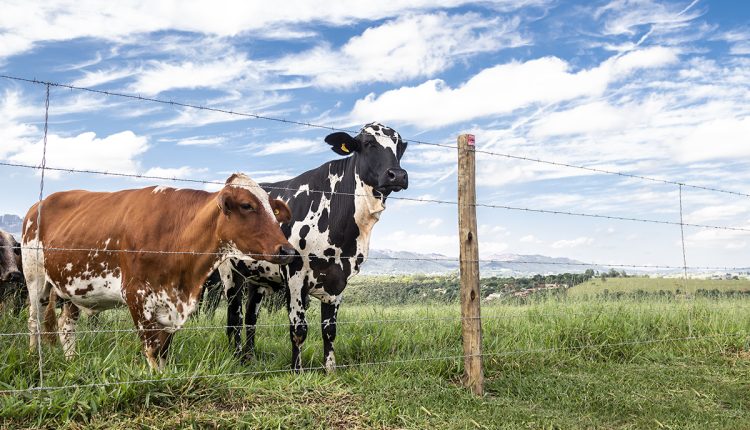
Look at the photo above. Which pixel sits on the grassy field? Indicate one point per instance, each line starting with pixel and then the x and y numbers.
pixel 653 285
pixel 553 364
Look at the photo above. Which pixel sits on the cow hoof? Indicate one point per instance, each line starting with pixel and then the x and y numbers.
pixel 247 357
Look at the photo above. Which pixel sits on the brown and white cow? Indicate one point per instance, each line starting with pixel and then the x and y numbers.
pixel 150 249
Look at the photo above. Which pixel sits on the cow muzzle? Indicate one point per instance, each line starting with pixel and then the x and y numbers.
pixel 14 277
pixel 394 180
pixel 284 255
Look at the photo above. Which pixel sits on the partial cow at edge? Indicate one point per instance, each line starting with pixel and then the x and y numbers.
pixel 334 209
pixel 149 249
pixel 12 289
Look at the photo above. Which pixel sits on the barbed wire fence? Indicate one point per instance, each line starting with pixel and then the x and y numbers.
pixel 43 167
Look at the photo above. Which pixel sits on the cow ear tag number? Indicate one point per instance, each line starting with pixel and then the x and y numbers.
pixel 344 148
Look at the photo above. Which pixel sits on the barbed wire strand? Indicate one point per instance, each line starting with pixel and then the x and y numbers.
pixel 332 128
pixel 370 363
pixel 457 318
pixel 433 259
pixel 410 199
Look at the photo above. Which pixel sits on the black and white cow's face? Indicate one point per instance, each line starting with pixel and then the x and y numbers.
pixel 10 259
pixel 378 150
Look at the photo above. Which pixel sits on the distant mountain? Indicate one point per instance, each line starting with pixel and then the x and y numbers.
pixel 11 224
pixel 387 262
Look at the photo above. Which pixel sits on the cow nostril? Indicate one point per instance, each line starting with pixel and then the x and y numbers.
pixel 391 175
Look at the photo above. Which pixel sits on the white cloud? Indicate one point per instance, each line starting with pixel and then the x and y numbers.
pixel 517 85
pixel 627 16
pixel 430 223
pixel 22 24
pixel 529 239
pixel 103 76
pixel 717 212
pixel 201 141
pixel 572 243
pixel 116 153
pixel 406 48
pixel 288 146
pixel 184 172
pixel 160 76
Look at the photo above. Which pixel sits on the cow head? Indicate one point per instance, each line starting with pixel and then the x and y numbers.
pixel 10 259
pixel 250 221
pixel 377 150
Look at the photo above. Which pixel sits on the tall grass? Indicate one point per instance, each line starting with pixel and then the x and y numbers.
pixel 581 347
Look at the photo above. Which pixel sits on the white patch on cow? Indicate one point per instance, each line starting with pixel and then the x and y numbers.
pixel 367 210
pixel 94 291
pixel 225 273
pixel 384 140
pixel 32 258
pixel 330 362
pixel 69 267
pixel 169 312
pixel 229 250
pixel 320 294
pixel 244 181
pixel 302 189
pixel 161 189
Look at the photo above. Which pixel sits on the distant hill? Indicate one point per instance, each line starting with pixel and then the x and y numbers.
pixel 388 262
pixel 11 224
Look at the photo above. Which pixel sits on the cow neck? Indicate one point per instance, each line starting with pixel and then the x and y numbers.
pixel 367 209
pixel 206 247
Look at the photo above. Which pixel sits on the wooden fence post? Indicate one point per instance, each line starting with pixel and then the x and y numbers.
pixel 471 323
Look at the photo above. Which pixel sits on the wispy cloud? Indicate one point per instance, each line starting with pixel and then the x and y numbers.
pixel 406 48
pixel 540 81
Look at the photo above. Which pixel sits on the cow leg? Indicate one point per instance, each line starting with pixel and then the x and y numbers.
pixel 165 340
pixel 156 343
pixel 154 338
pixel 251 319
pixel 297 321
pixel 234 318
pixel 36 283
pixel 328 314
pixel 67 326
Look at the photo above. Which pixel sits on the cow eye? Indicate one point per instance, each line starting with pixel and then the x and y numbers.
pixel 247 207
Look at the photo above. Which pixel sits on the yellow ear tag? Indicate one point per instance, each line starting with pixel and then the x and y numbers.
pixel 344 148
pixel 275 211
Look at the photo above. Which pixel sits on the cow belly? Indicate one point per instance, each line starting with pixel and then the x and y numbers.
pixel 95 293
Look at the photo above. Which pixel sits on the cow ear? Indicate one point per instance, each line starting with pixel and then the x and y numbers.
pixel 400 149
pixel 281 211
pixel 342 143
pixel 224 201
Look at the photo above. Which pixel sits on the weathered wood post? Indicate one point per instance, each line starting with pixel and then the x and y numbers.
pixel 471 322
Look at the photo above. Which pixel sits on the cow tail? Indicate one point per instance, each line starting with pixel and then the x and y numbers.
pixel 50 319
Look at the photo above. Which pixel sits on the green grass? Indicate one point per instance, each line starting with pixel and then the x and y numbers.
pixel 653 285
pixel 552 364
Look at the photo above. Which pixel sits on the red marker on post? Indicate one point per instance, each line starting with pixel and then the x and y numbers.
pixel 470 139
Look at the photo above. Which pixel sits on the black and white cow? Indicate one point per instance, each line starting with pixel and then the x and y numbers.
pixel 334 209
pixel 11 278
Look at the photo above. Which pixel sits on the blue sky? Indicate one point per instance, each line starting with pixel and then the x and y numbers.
pixel 655 88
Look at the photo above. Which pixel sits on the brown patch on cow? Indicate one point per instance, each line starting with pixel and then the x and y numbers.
pixel 83 291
